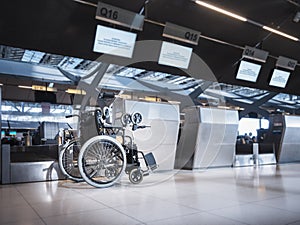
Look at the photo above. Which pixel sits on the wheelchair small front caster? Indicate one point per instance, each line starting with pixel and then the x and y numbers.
pixel 136 176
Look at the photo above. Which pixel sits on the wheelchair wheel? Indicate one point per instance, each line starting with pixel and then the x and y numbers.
pixel 136 176
pixel 68 160
pixel 101 161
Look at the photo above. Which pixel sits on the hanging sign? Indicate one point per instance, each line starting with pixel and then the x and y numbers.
pixel 122 17
pixel 181 33
pixel 286 63
pixel 255 54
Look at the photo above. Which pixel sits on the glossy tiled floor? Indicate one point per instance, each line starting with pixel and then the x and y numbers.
pixel 249 195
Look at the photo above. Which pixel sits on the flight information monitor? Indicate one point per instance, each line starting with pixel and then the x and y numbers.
pixel 114 42
pixel 248 71
pixel 175 55
pixel 279 78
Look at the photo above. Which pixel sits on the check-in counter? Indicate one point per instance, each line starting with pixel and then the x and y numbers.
pixel 161 137
pixel 266 154
pixel 29 163
pixel 254 153
pixel 243 155
pixel 208 138
pixel 289 150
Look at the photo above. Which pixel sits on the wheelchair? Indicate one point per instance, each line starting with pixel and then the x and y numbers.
pixel 68 155
pixel 102 159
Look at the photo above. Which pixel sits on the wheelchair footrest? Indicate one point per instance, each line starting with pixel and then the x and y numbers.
pixel 146 173
pixel 149 157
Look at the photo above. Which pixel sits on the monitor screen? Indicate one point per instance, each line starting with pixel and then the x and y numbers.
pixel 279 78
pixel 12 132
pixel 114 42
pixel 248 71
pixel 175 55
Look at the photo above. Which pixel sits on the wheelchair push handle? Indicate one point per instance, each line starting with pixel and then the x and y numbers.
pixel 82 115
pixel 72 115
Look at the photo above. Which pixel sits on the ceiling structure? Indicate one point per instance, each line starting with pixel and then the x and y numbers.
pixel 50 34
pixel 23 72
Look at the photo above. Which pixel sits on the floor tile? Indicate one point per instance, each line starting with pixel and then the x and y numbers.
pixel 205 202
pixel 27 222
pixel 257 215
pixel 249 195
pixel 11 199
pixel 155 210
pixel 97 217
pixel 67 206
pixel 202 218
pixel 295 223
pixel 290 203
pixel 121 198
pixel 44 196
pixel 17 214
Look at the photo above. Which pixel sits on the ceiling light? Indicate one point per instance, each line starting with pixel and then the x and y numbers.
pixel 25 87
pixel 43 88
pixel 76 91
pixel 52 89
pixel 38 88
pixel 221 11
pixel 225 12
pixel 280 33
pixel 223 107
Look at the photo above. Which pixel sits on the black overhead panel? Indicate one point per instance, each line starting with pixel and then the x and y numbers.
pixel 66 27
pixel 54 26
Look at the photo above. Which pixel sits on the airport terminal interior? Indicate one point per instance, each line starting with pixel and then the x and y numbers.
pixel 150 112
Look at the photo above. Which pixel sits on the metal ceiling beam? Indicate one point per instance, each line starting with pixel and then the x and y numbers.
pixel 198 91
pixel 255 106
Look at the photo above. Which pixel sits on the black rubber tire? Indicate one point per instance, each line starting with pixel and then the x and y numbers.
pixel 136 176
pixel 102 161
pixel 68 160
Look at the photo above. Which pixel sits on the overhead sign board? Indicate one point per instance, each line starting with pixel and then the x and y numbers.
pixel 114 42
pixel 286 63
pixel 122 17
pixel 175 55
pixel 248 71
pixel 279 78
pixel 255 54
pixel 181 33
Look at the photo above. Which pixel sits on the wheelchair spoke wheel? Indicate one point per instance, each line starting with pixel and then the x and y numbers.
pixel 68 160
pixel 136 176
pixel 101 161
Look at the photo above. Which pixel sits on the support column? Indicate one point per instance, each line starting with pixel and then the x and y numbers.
pixel 5 164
